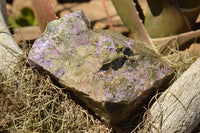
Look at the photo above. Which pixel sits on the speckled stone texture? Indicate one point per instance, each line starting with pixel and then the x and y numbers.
pixel 102 68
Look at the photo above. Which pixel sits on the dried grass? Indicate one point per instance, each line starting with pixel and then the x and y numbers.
pixel 30 102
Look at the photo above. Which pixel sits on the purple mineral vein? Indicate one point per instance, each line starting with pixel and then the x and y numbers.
pixel 101 45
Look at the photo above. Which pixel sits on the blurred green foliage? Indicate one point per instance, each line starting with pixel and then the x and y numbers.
pixel 26 18
pixel 163 26
pixel 163 17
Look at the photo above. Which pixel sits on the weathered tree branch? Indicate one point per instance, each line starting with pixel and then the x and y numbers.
pixel 178 108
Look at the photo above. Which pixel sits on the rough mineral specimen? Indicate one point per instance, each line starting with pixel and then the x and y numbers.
pixel 102 68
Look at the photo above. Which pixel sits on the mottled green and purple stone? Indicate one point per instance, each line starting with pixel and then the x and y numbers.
pixel 101 67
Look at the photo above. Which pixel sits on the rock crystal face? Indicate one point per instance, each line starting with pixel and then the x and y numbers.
pixel 102 68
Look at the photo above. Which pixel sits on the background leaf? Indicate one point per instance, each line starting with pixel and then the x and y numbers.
pixel 26 18
pixel 163 18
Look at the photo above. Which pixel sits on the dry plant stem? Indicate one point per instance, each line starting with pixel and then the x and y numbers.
pixel 44 12
pixel 9 50
pixel 166 43
pixel 178 108
pixel 189 54
pixel 107 14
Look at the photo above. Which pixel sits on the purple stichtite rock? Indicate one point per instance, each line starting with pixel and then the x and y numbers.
pixel 100 67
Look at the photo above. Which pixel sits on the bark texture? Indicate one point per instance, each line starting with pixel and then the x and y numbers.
pixel 177 110
pixel 9 50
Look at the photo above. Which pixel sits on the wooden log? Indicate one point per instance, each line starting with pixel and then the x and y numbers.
pixel 9 50
pixel 177 110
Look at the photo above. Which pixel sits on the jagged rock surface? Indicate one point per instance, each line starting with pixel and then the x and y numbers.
pixel 102 68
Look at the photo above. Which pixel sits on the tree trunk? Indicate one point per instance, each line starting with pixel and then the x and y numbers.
pixel 177 110
pixel 9 50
